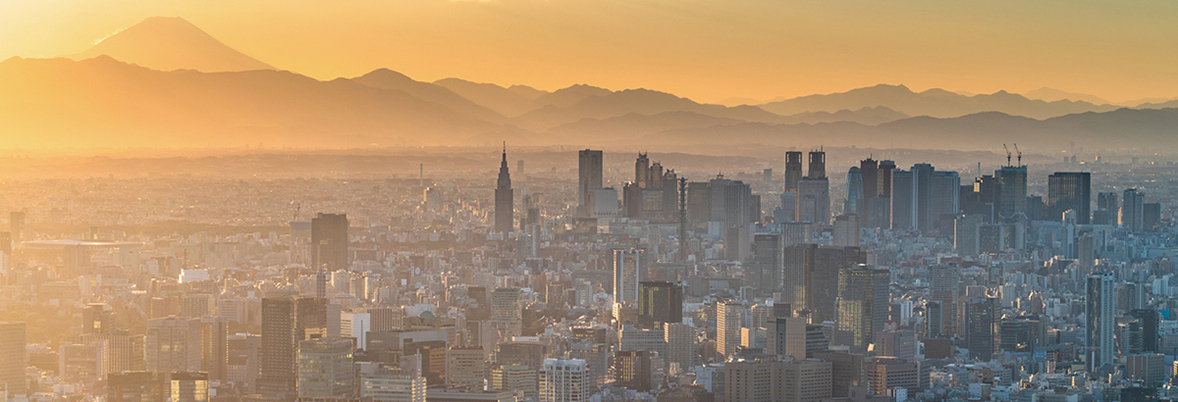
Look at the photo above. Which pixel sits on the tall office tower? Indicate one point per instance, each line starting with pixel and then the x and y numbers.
pixel 869 178
pixel 506 312
pixel 329 241
pixel 886 373
pixel 356 326
pixel 1107 209
pixel 1151 216
pixel 896 342
pixel 635 369
pixel 134 386
pixel 922 197
pixel 1069 191
pixel 862 305
pixel 659 303
pixel 16 226
pixel 214 347
pixel 564 380
pixel 846 230
pixel 680 347
pixel 817 165
pixel 981 336
pixel 173 344
pixel 727 327
pixel 642 171
pixel 1099 317
pixel 806 381
pixel 96 319
pixel 764 270
pixel 810 281
pixel 793 170
pixel 877 208
pixel 854 203
pixel 1133 210
pixel 846 370
pixel 1012 192
pixel 520 380
pixel 465 367
pixel 752 379
pixel 13 357
pixel 504 197
pixel 1149 328
pixel 965 234
pixel 813 201
pixel 589 180
pixel 944 201
pixel 629 270
pixel 943 289
pixel 904 201
pixel 189 387
pixel 285 322
pixel 325 368
pixel 787 338
pixel 393 385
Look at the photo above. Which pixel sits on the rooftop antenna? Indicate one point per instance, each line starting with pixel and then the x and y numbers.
pixel 1020 155
pixel 1007 154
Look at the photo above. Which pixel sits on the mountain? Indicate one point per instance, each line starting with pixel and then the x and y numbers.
pixel 933 103
pixel 512 101
pixel 168 44
pixel 389 79
pixel 1052 95
pixel 103 102
pixel 585 102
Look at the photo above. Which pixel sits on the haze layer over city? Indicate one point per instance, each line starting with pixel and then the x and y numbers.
pixel 565 201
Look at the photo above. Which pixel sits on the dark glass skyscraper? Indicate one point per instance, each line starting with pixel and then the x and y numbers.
pixel 504 197
pixel 329 241
pixel 1069 191
pixel 589 179
pixel 659 303
pixel 793 170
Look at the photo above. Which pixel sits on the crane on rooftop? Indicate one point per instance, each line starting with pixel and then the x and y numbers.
pixel 1007 154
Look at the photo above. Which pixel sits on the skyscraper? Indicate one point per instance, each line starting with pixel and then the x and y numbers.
pixel 943 289
pixel 13 357
pixel 727 327
pixel 506 312
pixel 981 336
pixel 503 198
pixel 810 280
pixel 846 230
pixel 659 303
pixel 1012 193
pixel 764 270
pixel 564 380
pixel 922 197
pixel 173 344
pixel 589 180
pixel 1070 191
pixel 1107 209
pixel 325 368
pixel 813 201
pixel 285 322
pixel 1133 210
pixel 793 170
pixel 465 367
pixel 329 241
pixel 854 203
pixel 862 305
pixel 96 319
pixel 817 165
pixel 629 270
pixel 1099 315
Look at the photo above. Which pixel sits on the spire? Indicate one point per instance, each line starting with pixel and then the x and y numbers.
pixel 504 151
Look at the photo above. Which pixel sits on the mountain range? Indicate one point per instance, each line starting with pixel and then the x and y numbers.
pixel 166 83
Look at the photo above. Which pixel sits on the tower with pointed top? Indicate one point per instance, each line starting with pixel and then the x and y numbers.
pixel 503 198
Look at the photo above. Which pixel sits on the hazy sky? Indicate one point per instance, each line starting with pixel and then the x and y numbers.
pixel 705 50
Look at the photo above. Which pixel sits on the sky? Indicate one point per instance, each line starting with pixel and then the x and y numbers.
pixel 705 50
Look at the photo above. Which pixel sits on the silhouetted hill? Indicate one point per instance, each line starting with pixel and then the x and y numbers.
pixel 1052 95
pixel 167 44
pixel 933 103
pixel 511 102
pixel 104 102
pixel 389 79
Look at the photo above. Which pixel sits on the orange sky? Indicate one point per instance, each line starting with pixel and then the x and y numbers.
pixel 705 50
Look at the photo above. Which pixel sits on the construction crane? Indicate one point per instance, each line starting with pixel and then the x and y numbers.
pixel 1020 155
pixel 1007 154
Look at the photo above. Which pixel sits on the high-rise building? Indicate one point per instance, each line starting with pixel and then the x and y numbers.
pixel 922 197
pixel 680 347
pixel 810 281
pixel 214 347
pixel 1070 191
pixel 1100 320
pixel 135 386
pixel 564 380
pixel 629 270
pixel 982 336
pixel 854 203
pixel 846 231
pixel 189 387
pixel 506 311
pixel 636 370
pixel 329 241
pixel 1012 191
pixel 518 379
pixel 863 301
pixel 356 326
pixel 793 170
pixel 806 380
pixel 764 270
pixel 846 371
pixel 392 385
pixel 1149 328
pixel 659 303
pixel 727 327
pixel 504 196
pixel 943 289
pixel 13 357
pixel 1132 215
pixel 1107 209
pixel 589 180
pixel 465 367
pixel 285 322
pixel 16 226
pixel 817 165
pixel 887 373
pixel 96 319
pixel 813 201
pixel 173 344
pixel 787 338
pixel 897 343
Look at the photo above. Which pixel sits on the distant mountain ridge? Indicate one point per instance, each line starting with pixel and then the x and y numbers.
pixel 168 44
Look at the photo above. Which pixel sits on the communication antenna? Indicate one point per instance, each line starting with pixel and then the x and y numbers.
pixel 1007 154
pixel 1020 155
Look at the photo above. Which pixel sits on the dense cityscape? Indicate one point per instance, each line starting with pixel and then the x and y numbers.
pixel 888 280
